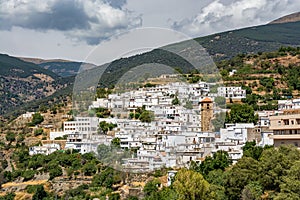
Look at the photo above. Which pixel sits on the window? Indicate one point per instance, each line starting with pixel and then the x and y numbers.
pixel 286 122
pixel 258 130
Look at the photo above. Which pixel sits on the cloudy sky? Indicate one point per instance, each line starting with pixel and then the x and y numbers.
pixel 76 29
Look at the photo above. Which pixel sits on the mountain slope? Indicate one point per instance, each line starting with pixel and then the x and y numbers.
pixel 14 67
pixel 220 46
pixel 265 38
pixel 23 82
pixel 251 40
pixel 64 68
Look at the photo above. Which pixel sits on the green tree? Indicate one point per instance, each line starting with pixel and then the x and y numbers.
pixel 131 115
pixel 149 85
pixel 104 152
pixel 240 175
pixel 89 169
pixel 116 142
pixel 241 113
pixel 106 178
pixel 290 186
pixel 132 198
pixel 9 196
pixel 10 137
pixel 248 89
pixel 220 101
pixel 190 185
pixel 151 187
pixel 224 73
pixel 105 127
pixel 55 172
pixel 267 82
pixel 43 108
pixel 251 150
pixel 188 105
pixel 137 115
pixel 147 116
pixel 218 121
pixel 38 132
pixel 168 193
pixel 176 101
pixel 77 193
pixel 275 163
pixel 253 191
pixel 37 118
pixel 216 179
pixel 114 196
pixel 40 193
pixel 219 160
pixel 28 174
pixel 251 99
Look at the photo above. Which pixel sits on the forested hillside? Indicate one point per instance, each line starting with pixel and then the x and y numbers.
pixel 23 82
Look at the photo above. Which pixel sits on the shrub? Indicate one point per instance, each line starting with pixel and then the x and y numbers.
pixel 28 174
pixel 37 118
pixel 10 137
pixel 38 132
pixel 55 172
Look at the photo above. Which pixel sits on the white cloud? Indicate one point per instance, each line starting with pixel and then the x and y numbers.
pixel 226 15
pixel 90 20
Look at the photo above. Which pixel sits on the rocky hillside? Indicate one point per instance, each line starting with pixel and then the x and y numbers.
pixel 267 77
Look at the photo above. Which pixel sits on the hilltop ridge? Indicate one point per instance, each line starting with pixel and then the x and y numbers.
pixel 294 17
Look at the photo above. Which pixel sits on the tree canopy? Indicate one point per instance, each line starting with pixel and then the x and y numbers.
pixel 241 113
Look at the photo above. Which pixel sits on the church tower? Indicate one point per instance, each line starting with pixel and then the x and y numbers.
pixel 206 107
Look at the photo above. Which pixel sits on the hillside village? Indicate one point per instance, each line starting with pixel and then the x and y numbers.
pixel 178 126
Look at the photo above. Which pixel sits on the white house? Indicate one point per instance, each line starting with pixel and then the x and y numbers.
pixel 46 149
pixel 232 92
pixel 288 104
pixel 82 125
pixel 235 132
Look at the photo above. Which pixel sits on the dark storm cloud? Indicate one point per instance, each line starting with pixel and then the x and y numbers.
pixel 62 15
pixel 90 20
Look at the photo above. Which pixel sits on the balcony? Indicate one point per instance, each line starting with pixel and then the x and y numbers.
pixel 286 137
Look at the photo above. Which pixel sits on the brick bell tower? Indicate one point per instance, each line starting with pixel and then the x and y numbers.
pixel 206 107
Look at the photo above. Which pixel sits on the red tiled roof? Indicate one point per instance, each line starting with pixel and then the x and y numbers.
pixel 206 100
